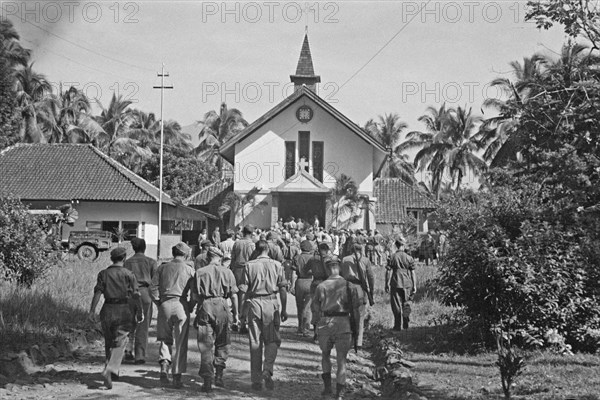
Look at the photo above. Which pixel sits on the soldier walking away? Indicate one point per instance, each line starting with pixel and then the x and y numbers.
pixel 241 253
pixel 357 270
pixel 316 266
pixel 300 286
pixel 144 269
pixel 401 284
pixel 214 284
pixel 170 290
pixel 333 308
pixel 263 279
pixel 119 287
pixel 201 259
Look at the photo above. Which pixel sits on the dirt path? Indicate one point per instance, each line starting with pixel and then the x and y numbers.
pixel 296 375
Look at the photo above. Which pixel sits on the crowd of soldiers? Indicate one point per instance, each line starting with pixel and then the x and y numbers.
pixel 241 284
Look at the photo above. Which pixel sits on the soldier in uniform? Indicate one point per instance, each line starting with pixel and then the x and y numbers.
pixel 334 301
pixel 241 253
pixel 214 284
pixel 401 284
pixel 144 269
pixel 275 252
pixel 300 283
pixel 263 279
pixel 200 260
pixel 170 290
pixel 356 269
pixel 118 286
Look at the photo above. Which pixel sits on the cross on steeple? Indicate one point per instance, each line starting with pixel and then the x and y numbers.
pixel 306 11
pixel 303 164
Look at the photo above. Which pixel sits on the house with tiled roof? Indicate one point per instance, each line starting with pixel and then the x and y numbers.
pixel 396 200
pixel 106 195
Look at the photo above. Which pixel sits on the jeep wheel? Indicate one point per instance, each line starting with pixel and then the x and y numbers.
pixel 87 253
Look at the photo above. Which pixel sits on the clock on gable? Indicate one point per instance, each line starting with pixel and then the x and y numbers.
pixel 304 114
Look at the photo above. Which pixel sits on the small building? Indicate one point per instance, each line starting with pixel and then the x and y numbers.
pixel 106 195
pixel 395 200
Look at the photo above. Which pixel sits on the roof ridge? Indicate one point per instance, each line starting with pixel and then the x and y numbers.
pixel 122 169
pixel 221 181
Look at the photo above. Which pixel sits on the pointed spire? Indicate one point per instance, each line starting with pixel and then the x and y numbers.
pixel 305 72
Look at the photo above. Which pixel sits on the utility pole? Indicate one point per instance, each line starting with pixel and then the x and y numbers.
pixel 162 88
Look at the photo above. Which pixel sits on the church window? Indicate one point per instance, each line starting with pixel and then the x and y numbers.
pixel 304 146
pixel 317 161
pixel 290 159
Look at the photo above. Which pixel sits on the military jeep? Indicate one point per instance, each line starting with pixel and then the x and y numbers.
pixel 88 244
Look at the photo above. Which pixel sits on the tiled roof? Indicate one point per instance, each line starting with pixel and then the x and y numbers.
pixel 205 195
pixel 395 197
pixel 227 149
pixel 305 64
pixel 71 172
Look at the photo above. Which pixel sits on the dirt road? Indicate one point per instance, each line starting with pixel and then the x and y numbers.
pixel 297 374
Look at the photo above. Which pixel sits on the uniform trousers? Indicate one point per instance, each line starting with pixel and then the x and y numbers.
pixel 138 337
pixel 363 313
pixel 303 302
pixel 172 330
pixel 262 314
pixel 335 332
pixel 117 321
pixel 213 321
pixel 400 302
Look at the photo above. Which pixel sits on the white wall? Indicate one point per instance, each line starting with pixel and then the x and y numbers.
pixel 260 158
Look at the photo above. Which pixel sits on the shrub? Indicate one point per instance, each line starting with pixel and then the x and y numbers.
pixel 25 250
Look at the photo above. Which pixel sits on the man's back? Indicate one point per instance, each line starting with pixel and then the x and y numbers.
pixel 143 267
pixel 172 279
pixel 241 252
pixel 226 247
pixel 401 264
pixel 215 280
pixel 263 276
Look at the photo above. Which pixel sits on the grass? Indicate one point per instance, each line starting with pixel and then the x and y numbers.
pixel 52 307
pixel 447 368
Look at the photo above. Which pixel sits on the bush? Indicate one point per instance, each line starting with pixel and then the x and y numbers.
pixel 511 262
pixel 25 251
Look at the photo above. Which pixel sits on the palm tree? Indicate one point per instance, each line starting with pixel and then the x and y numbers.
pixel 115 121
pixel 34 103
pixel 448 146
pixel 216 129
pixel 343 198
pixel 145 128
pixel 11 52
pixel 388 130
pixel 236 202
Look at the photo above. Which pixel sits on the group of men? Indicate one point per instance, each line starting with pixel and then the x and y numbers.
pixel 241 283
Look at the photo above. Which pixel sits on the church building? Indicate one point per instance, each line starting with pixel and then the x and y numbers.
pixel 290 158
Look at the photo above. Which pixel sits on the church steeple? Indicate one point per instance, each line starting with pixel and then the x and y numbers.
pixel 305 72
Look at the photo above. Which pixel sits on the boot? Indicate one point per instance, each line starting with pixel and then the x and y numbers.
pixel 207 386
pixel 177 384
pixel 164 373
pixel 339 391
pixel 108 381
pixel 219 377
pixel 405 323
pixel 327 384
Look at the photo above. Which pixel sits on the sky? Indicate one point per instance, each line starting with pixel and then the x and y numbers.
pixel 373 57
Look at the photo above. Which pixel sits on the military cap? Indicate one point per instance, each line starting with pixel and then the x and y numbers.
pixel 310 236
pixel 215 251
pixel 118 252
pixel 332 261
pixel 306 245
pixel 181 248
pixel 323 246
pixel 205 242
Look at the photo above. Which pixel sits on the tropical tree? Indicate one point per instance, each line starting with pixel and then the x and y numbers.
pixel 235 203
pixel 343 198
pixel 34 102
pixel 216 129
pixel 145 128
pixel 388 130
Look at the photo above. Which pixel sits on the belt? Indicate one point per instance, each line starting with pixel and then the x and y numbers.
pixel 116 301
pixel 144 285
pixel 272 296
pixel 336 314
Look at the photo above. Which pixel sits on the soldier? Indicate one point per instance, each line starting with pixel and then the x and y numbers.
pixel 240 254
pixel 300 283
pixel 275 252
pixel 144 269
pixel 262 279
pixel 170 289
pixel 399 280
pixel 226 246
pixel 356 269
pixel 214 284
pixel 201 260
pixel 334 301
pixel 119 287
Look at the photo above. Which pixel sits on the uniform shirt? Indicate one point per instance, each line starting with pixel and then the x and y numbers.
pixel 143 267
pixel 201 261
pixel 241 252
pixel 301 265
pixel 317 267
pixel 275 252
pixel 116 282
pixel 215 280
pixel 400 264
pixel 216 237
pixel 349 269
pixel 226 247
pixel 263 276
pixel 172 279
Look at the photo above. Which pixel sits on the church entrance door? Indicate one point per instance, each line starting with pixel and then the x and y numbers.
pixel 303 205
